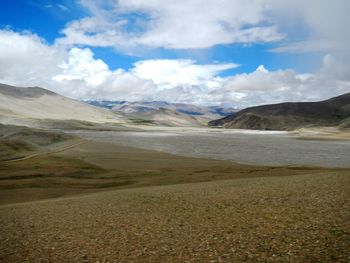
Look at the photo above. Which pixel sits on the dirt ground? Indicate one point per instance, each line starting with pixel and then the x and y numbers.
pixel 324 133
pixel 100 202
pixel 302 218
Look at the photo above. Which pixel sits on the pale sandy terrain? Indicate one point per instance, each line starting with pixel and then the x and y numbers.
pixel 51 107
pixel 323 133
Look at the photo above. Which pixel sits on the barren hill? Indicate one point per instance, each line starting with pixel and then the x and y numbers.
pixel 290 115
pixel 168 117
pixel 18 103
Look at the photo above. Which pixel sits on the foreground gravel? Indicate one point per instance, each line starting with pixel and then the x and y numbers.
pixel 303 218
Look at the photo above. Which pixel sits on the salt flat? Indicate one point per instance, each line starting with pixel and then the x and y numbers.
pixel 243 146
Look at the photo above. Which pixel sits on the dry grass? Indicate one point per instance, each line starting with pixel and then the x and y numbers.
pixel 13 149
pixel 19 141
pixel 94 166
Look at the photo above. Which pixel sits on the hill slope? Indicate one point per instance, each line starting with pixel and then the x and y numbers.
pixel 18 103
pixel 290 115
pixel 167 117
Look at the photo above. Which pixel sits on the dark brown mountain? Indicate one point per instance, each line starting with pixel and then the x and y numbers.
pixel 291 115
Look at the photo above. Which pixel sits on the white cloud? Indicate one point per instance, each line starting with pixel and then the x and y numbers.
pixel 307 46
pixel 76 73
pixel 167 73
pixel 172 24
pixel 298 25
pixel 26 57
pixel 323 25
pixel 82 65
pixel 94 31
pixel 265 87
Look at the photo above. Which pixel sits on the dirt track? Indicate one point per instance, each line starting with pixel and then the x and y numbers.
pixel 60 149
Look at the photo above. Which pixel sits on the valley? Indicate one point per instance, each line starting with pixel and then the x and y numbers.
pixel 78 188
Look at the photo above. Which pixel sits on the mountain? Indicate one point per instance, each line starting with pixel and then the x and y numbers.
pixel 107 104
pixel 291 115
pixel 164 113
pixel 18 105
pixel 148 106
pixel 38 107
pixel 168 117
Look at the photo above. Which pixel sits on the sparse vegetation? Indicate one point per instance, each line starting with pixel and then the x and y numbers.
pixel 19 141
pixel 12 149
pixel 142 121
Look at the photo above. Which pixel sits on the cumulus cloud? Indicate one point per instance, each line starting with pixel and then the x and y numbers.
pixel 264 87
pixel 82 65
pixel 26 57
pixel 167 73
pixel 77 73
pixel 190 24
pixel 172 24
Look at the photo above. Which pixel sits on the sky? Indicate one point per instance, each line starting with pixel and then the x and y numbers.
pixel 233 53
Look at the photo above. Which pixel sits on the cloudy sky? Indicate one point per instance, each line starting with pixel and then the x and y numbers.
pixel 210 52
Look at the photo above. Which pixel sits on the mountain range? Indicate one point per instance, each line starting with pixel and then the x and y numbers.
pixel 33 105
pixel 36 106
pixel 164 113
pixel 147 106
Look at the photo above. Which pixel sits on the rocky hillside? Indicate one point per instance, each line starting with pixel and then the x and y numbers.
pixel 291 115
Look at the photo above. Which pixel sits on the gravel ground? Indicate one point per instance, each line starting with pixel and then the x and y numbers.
pixel 249 147
pixel 303 218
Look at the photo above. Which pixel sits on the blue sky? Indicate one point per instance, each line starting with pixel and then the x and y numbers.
pixel 47 18
pixel 99 45
pixel 44 18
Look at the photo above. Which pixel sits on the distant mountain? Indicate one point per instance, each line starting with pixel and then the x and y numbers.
pixel 108 104
pixel 132 109
pixel 168 117
pixel 291 115
pixel 148 106
pixel 38 107
pixel 36 103
pixel 164 113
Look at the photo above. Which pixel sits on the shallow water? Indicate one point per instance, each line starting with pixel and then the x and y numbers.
pixel 243 146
